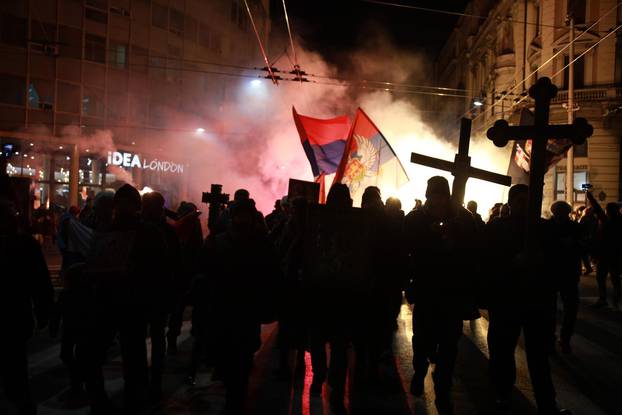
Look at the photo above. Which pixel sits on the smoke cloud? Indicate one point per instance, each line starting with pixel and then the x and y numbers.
pixel 264 150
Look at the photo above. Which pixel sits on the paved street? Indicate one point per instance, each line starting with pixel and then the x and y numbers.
pixel 588 382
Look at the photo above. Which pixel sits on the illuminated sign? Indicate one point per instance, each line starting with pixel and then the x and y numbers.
pixel 130 161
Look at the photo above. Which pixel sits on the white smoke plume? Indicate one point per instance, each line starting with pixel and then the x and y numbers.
pixel 266 152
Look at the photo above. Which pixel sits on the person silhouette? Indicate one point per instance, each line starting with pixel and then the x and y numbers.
pixel 607 252
pixel 440 239
pixel 128 263
pixel 241 270
pixel 26 290
pixel 153 215
pixel 522 291
pixel 568 253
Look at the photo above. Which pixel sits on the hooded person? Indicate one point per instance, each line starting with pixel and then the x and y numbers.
pixel 440 239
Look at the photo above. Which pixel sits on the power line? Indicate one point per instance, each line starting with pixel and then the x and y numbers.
pixel 549 60
pixel 257 69
pixel 452 13
pixel 261 48
pixel 566 66
pixel 291 41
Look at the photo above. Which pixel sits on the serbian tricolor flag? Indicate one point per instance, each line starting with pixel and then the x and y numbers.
pixel 369 160
pixel 323 141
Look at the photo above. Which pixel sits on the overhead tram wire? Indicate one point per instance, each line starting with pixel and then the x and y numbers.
pixel 612 31
pixel 452 13
pixel 261 48
pixel 291 41
pixel 549 60
pixel 577 58
pixel 364 84
pixel 251 68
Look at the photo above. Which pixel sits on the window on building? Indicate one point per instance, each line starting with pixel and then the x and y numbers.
pixel 579 73
pixel 577 9
pixel 580 179
pixel 117 55
pixel 190 31
pixel 94 48
pixel 44 33
pixel 93 102
pixel 96 15
pixel 140 59
pixel 159 16
pixel 70 40
pixel 13 30
pixel 68 98
pixel 12 90
pixel 176 22
pixel 41 94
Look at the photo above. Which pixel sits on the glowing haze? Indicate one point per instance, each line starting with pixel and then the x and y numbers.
pixel 261 150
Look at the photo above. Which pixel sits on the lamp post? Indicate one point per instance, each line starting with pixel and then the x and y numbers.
pixel 570 154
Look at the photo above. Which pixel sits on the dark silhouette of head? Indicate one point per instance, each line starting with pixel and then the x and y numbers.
pixel 243 217
pixel 103 205
pixel 437 194
pixel 185 208
pixel 277 205
pixel 393 204
pixel 241 194
pixel 8 214
pixel 126 202
pixel 518 200
pixel 561 211
pixel 153 206
pixel 472 206
pixel 339 196
pixel 613 210
pixel 371 198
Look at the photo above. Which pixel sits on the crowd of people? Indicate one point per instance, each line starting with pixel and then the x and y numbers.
pixel 131 268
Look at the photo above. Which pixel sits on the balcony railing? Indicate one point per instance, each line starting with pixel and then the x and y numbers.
pixel 590 94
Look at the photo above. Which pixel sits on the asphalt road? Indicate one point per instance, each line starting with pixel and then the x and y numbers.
pixel 588 382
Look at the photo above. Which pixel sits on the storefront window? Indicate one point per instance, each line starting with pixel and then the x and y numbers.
pixel 62 168
pixel 92 171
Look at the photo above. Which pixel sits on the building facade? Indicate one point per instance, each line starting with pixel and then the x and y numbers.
pixel 490 57
pixel 92 91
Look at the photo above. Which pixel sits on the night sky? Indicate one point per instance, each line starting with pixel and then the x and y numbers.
pixel 338 26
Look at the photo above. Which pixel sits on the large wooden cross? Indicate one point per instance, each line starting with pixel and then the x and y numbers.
pixel 461 168
pixel 539 134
